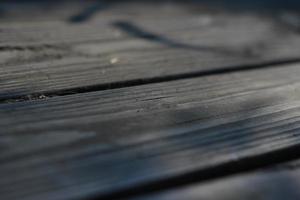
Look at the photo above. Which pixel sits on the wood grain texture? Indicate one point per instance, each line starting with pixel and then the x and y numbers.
pixel 125 43
pixel 210 108
pixel 102 142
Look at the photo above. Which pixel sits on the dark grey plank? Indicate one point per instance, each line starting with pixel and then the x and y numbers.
pixel 130 42
pixel 277 183
pixel 102 142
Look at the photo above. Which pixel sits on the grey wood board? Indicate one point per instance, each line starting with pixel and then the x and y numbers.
pixel 47 56
pixel 280 182
pixel 101 142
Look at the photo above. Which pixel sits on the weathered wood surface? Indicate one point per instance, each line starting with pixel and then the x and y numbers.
pixel 126 99
pixel 282 182
pixel 101 142
pixel 115 47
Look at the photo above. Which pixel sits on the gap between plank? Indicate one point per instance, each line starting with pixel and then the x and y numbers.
pixel 145 81
pixel 242 165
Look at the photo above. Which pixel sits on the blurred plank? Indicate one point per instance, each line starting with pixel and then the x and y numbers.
pixel 106 141
pixel 129 43
pixel 267 184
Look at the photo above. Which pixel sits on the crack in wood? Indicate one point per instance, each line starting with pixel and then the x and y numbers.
pixel 146 81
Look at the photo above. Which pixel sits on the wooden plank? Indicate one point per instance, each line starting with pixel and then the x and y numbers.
pixel 281 182
pixel 102 142
pixel 121 46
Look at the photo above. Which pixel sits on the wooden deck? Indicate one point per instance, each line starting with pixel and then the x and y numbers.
pixel 148 100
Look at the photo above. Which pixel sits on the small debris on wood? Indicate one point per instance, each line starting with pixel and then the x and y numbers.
pixel 114 60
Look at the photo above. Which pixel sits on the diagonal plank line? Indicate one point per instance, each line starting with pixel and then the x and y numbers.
pixel 242 165
pixel 152 80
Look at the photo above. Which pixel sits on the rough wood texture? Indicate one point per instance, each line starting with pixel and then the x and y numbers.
pixel 101 142
pixel 115 97
pixel 126 43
